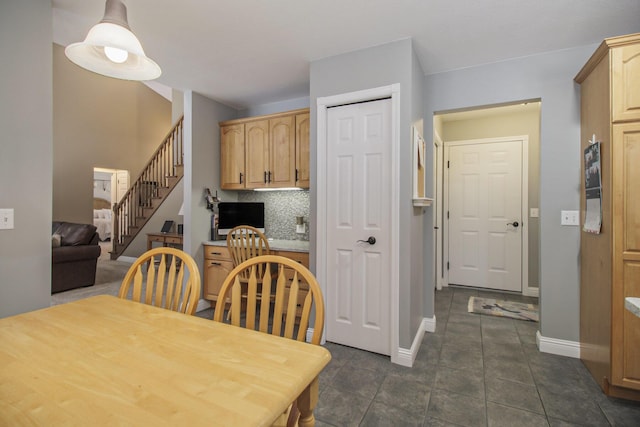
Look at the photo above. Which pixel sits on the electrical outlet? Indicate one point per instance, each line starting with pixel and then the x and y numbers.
pixel 6 219
pixel 569 218
pixel 534 213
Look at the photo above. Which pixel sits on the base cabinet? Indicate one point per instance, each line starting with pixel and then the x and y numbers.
pixel 218 265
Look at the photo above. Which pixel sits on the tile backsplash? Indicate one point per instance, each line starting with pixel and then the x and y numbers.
pixel 280 211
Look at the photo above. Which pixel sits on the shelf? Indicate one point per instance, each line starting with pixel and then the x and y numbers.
pixel 422 201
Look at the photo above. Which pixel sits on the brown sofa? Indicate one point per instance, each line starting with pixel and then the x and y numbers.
pixel 74 255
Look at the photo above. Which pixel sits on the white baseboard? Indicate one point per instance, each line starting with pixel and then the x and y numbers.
pixel 429 324
pixel 559 347
pixel 406 356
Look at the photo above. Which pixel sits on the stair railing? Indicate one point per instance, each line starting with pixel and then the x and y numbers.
pixel 140 201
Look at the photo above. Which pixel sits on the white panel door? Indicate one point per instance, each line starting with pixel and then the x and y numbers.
pixel 123 184
pixel 358 194
pixel 485 205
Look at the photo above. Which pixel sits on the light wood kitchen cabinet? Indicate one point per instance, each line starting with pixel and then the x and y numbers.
pixel 232 153
pixel 274 154
pixel 257 153
pixel 217 266
pixel 302 150
pixel 282 154
pixel 610 260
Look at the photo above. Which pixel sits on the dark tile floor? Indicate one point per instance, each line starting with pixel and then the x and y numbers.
pixel 475 370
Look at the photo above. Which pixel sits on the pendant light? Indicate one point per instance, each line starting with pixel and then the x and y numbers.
pixel 111 49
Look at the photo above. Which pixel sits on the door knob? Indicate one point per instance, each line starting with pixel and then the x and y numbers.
pixel 514 223
pixel 371 240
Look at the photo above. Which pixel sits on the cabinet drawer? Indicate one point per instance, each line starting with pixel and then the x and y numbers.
pixel 155 238
pixel 173 240
pixel 217 252
pixel 301 257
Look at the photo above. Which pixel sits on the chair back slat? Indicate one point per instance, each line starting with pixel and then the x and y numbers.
pixel 159 282
pixel 275 305
pixel 236 301
pixel 291 304
pixel 265 299
pixel 174 285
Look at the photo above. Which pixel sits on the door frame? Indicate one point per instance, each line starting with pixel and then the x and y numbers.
pixel 438 162
pixel 323 103
pixel 524 207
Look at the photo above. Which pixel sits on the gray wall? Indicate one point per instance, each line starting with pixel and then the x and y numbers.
pixel 365 69
pixel 26 159
pixel 549 77
pixel 202 166
pixel 275 107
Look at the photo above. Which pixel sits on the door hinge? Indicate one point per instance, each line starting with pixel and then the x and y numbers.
pixel 447 265
pixel 447 214
pixel 447 164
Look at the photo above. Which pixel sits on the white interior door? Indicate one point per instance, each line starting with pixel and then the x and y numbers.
pixel 485 200
pixel 122 176
pixel 358 208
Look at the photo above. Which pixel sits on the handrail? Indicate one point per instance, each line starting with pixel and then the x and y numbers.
pixel 137 204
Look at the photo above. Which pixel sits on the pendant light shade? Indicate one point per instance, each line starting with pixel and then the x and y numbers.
pixel 111 49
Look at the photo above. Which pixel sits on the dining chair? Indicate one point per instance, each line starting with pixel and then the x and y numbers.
pixel 245 242
pixel 171 280
pixel 277 302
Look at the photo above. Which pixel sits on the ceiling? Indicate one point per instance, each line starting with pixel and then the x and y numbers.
pixel 249 52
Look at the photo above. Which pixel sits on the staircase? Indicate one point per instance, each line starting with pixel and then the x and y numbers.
pixel 158 178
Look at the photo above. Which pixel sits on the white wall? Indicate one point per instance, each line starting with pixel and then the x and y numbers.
pixel 26 159
pixel 549 77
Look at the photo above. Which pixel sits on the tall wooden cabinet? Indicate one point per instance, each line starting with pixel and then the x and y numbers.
pixel 265 152
pixel 610 261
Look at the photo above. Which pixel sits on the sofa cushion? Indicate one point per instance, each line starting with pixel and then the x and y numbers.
pixel 75 234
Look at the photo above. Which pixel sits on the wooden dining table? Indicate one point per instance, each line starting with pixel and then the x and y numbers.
pixel 108 361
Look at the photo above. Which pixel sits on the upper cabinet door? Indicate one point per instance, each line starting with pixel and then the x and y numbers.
pixel 257 153
pixel 626 83
pixel 232 172
pixel 282 170
pixel 302 150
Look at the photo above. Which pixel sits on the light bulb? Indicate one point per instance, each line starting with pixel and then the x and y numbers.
pixel 116 55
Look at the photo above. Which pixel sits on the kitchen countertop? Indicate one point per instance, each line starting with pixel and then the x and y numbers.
pixel 633 305
pixel 275 244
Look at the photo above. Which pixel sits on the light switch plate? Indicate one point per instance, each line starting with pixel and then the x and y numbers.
pixel 6 219
pixel 569 218
pixel 534 213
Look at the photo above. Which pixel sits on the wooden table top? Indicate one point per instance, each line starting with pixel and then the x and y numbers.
pixel 108 361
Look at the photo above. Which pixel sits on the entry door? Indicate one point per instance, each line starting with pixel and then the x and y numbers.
pixel 485 206
pixel 358 225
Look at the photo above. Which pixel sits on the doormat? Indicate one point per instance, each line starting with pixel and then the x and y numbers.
pixel 500 308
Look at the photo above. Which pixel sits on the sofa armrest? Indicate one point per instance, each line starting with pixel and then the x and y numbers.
pixel 74 253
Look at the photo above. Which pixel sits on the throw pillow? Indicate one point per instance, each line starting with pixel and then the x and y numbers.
pixel 55 240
